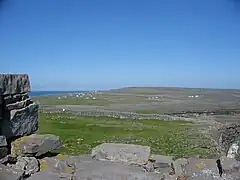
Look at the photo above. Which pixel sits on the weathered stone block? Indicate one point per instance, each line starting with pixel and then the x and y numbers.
pixel 14 84
pixel 20 122
pixel 35 145
pixel 19 104
pixel 130 153
pixel 13 98
pixel 29 165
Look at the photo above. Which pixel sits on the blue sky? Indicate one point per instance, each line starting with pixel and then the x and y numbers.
pixel 92 44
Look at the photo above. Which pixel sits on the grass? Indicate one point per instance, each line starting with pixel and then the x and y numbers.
pixel 67 100
pixel 81 134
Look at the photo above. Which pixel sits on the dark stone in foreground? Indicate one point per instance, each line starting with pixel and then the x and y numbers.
pixel 20 122
pixel 3 147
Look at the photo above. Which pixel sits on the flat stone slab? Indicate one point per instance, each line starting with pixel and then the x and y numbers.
pixel 20 122
pixel 96 170
pixel 35 145
pixel 14 84
pixel 83 168
pixel 129 153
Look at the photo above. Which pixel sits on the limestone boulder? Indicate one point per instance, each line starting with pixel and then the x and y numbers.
pixel 20 122
pixel 35 145
pixel 29 165
pixel 14 84
pixel 129 153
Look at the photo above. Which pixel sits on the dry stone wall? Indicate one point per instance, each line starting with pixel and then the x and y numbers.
pixel 18 113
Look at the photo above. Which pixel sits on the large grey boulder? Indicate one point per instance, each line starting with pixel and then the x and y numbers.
pixel 3 147
pixel 129 153
pixel 14 84
pixel 29 165
pixel 7 173
pixel 35 145
pixel 20 122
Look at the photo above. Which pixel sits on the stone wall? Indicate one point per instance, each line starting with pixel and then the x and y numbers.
pixel 18 113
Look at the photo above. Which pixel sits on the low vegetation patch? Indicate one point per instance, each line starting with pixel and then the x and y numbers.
pixel 80 134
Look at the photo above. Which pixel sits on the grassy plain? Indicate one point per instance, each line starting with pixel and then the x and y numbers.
pixel 80 134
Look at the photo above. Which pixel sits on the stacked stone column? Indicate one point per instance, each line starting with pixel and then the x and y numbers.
pixel 18 113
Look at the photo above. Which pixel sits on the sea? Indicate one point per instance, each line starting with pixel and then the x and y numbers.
pixel 40 93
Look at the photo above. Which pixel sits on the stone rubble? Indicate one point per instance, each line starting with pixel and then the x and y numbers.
pixel 25 155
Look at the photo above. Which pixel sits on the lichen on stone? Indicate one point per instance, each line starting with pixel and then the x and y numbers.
pixel 68 169
pixel 60 156
pixel 15 146
pixel 43 164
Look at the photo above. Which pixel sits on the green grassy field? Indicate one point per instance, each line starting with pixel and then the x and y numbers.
pixel 81 134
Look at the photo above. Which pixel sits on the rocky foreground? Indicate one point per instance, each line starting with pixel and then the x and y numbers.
pixel 27 155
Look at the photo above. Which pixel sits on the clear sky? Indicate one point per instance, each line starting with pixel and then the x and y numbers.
pixel 101 44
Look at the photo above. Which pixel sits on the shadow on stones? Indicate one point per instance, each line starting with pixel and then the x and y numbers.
pixel 48 154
